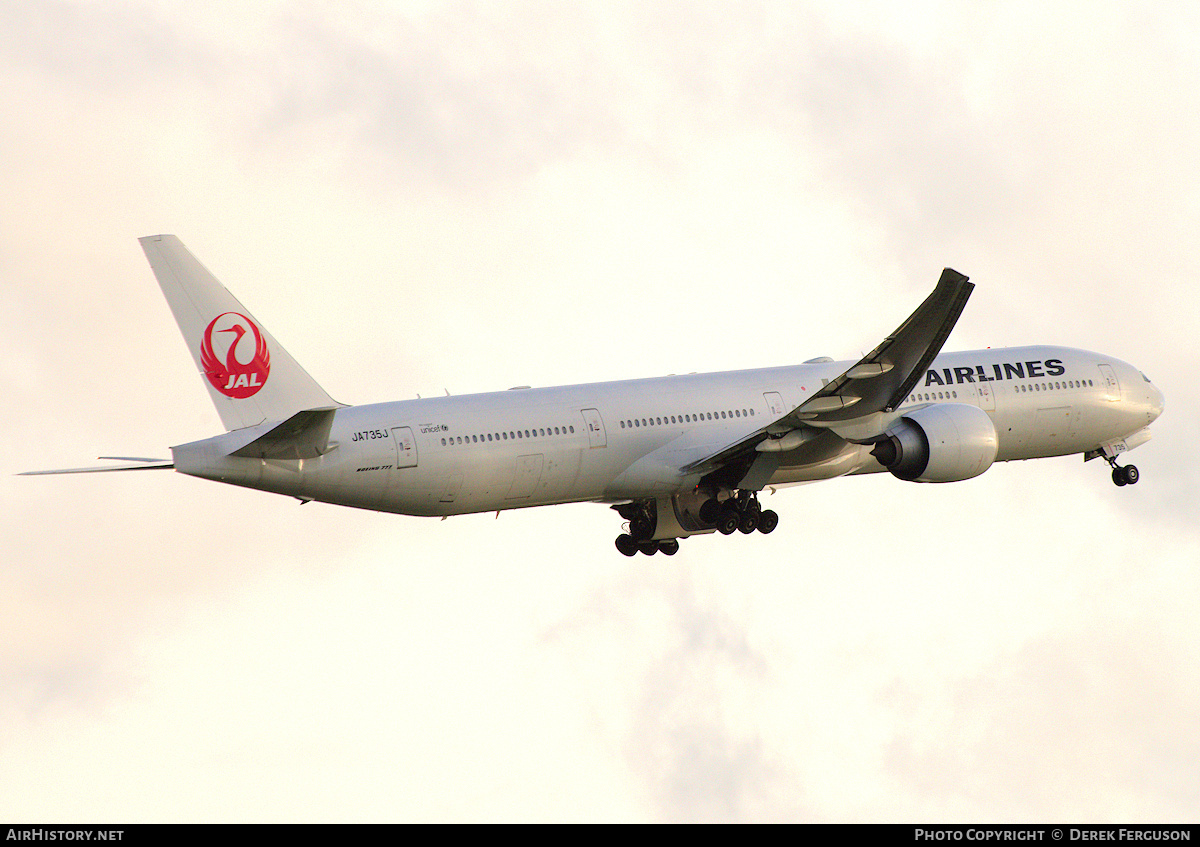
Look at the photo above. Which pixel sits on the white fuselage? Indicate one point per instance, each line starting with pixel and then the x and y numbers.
pixel 539 446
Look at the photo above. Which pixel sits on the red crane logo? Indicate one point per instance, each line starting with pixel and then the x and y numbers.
pixel 231 377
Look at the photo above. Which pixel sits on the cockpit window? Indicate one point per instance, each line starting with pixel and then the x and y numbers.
pixel 1144 376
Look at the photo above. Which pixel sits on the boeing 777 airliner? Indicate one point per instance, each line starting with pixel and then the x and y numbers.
pixel 674 456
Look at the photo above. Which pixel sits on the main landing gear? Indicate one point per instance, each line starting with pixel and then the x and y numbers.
pixel 1123 474
pixel 740 514
pixel 630 546
pixel 643 520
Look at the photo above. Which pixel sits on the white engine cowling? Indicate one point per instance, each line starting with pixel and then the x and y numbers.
pixel 946 442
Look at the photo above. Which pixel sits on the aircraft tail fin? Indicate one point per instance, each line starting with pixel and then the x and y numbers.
pixel 248 374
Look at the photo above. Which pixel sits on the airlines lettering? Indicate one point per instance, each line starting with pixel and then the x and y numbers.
pixel 998 373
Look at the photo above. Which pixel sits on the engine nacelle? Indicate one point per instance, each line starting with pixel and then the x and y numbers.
pixel 946 442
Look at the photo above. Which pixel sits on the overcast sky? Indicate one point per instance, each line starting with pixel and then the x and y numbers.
pixel 420 197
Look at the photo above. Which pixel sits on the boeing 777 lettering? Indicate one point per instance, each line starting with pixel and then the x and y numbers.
pixel 674 456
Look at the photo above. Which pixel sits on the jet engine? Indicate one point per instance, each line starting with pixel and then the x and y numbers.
pixel 946 442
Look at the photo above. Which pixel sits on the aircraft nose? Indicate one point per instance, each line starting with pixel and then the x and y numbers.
pixel 1157 402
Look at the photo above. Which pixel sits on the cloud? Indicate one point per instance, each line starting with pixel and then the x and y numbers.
pixel 427 196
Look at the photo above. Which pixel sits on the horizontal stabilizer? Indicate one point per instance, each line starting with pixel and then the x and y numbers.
pixel 305 435
pixel 127 465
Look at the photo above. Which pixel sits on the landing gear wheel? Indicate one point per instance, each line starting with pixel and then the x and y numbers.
pixel 649 548
pixel 627 545
pixel 767 521
pixel 1127 475
pixel 748 522
pixel 669 547
pixel 1124 475
pixel 728 521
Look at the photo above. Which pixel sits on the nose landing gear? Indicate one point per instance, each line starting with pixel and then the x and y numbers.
pixel 1123 474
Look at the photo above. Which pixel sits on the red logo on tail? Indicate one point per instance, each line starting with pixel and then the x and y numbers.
pixel 231 377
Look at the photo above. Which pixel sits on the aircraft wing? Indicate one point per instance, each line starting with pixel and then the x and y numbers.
pixel 877 383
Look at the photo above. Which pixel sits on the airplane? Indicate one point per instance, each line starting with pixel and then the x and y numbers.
pixel 675 456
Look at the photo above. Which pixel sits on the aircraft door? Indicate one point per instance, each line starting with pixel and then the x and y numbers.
pixel 1110 382
pixel 595 428
pixel 774 403
pixel 525 479
pixel 453 482
pixel 987 400
pixel 406 447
